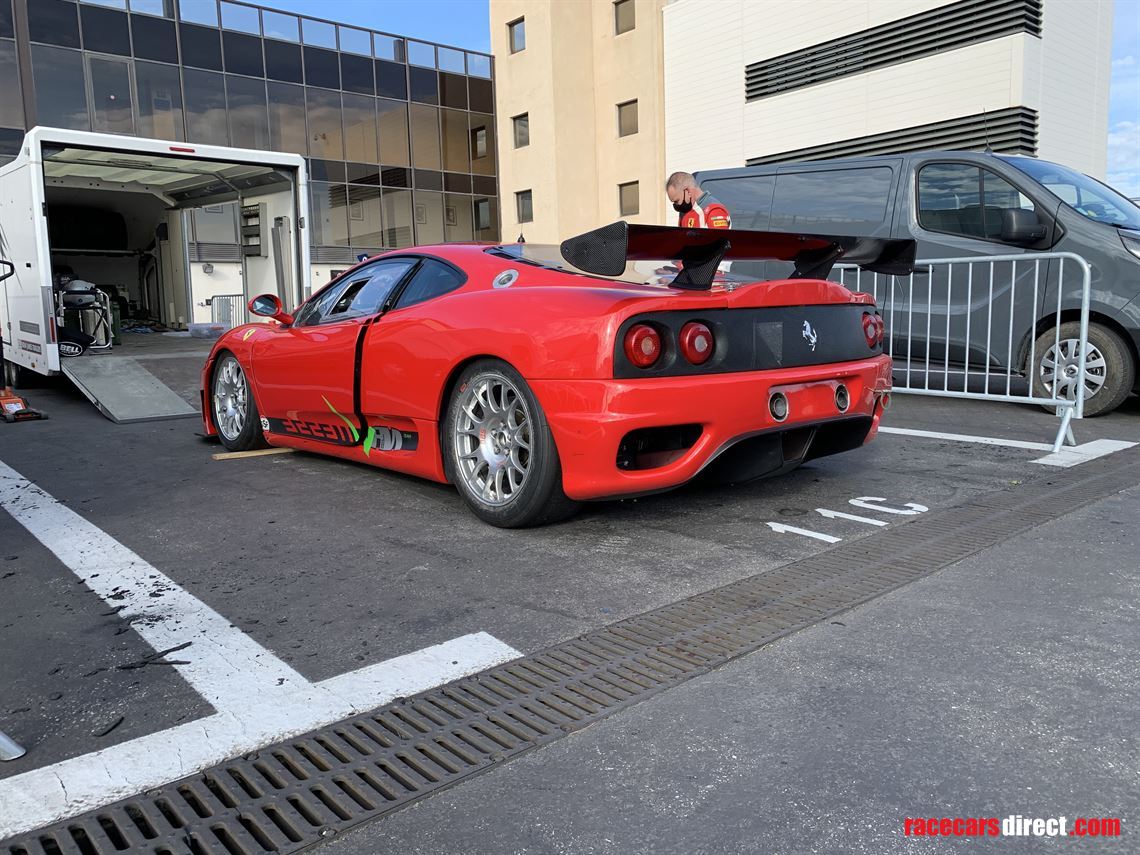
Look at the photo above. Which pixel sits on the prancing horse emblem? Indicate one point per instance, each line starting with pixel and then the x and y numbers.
pixel 810 335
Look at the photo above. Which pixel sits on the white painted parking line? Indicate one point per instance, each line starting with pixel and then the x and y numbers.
pixel 781 528
pixel 259 698
pixel 1075 455
pixel 961 437
pixel 1072 455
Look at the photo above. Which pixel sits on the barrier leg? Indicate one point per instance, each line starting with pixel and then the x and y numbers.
pixel 1065 431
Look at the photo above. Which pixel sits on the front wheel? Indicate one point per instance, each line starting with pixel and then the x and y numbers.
pixel 1110 370
pixel 234 410
pixel 498 449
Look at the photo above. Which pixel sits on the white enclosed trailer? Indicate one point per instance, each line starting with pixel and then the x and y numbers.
pixel 114 209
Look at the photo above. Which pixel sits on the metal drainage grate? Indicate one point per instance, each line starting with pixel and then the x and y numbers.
pixel 292 795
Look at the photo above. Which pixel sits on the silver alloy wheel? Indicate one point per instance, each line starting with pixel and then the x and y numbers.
pixel 493 439
pixel 231 398
pixel 1062 362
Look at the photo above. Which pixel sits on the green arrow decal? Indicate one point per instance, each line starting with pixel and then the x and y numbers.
pixel 351 426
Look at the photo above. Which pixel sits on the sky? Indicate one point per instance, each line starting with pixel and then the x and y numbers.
pixel 466 24
pixel 1124 101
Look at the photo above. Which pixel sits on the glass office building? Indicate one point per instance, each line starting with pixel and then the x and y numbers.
pixel 399 134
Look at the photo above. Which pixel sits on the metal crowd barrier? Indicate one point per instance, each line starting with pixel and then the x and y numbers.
pixel 969 328
pixel 228 309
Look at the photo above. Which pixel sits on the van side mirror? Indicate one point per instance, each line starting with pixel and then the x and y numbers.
pixel 269 306
pixel 1021 226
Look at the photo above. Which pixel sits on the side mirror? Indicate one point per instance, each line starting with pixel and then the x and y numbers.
pixel 1020 226
pixel 269 306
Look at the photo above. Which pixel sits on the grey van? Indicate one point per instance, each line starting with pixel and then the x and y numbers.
pixel 959 204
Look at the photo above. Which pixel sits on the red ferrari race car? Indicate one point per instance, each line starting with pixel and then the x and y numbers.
pixel 533 378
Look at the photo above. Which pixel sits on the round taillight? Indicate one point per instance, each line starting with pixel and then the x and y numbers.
pixel 642 345
pixel 872 329
pixel 696 342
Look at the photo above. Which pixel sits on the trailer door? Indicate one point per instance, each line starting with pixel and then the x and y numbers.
pixel 25 301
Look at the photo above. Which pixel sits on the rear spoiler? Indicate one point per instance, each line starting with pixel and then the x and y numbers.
pixel 606 251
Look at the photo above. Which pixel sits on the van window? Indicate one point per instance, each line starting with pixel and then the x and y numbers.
pixel 749 200
pixel 851 199
pixel 1087 196
pixel 966 200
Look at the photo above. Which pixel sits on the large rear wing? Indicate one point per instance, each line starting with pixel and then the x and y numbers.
pixel 607 251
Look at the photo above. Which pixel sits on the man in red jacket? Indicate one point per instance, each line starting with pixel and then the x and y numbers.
pixel 697 209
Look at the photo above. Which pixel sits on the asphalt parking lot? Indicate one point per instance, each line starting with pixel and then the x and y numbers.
pixel 328 569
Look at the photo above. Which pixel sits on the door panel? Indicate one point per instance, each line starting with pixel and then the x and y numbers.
pixel 305 378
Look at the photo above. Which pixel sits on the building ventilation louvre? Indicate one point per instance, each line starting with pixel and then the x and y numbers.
pixel 334 255
pixel 945 28
pixel 215 252
pixel 1009 131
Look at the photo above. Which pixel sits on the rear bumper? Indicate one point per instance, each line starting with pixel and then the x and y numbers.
pixel 590 418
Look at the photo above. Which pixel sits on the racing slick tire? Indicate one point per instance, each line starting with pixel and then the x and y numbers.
pixel 233 408
pixel 498 450
pixel 1110 375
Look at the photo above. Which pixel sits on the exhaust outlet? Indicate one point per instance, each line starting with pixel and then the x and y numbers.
pixel 778 406
pixel 842 398
pixel 885 401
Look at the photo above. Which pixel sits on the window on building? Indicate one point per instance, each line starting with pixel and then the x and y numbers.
pixel 478 143
pixel 960 199
pixel 425 137
pixel 249 120
pixel 360 134
pixel 524 205
pixel 457 222
pixel 521 125
pixel 11 108
pixel 629 199
pixel 624 17
pixel 487 218
pixel 482 136
pixel 393 120
pixel 456 158
pixel 516 34
pixel 111 96
pixel 326 137
pixel 627 118
pixel 397 206
pixel 205 96
pixel 286 117
pixel 60 98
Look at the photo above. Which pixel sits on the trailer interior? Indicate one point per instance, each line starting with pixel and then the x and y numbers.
pixel 119 221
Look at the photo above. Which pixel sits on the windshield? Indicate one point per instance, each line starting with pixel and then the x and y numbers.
pixel 636 272
pixel 1085 195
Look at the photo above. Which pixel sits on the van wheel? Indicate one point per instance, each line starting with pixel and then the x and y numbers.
pixel 498 450
pixel 1110 370
pixel 233 409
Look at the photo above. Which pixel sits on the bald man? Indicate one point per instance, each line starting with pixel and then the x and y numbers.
pixel 697 209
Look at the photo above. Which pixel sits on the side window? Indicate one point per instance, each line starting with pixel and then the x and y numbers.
pixel 359 294
pixel 851 199
pixel 960 199
pixel 431 280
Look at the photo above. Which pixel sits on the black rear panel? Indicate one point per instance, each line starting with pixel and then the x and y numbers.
pixel 755 339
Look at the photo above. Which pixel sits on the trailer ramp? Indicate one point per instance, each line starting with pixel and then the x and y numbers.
pixel 123 390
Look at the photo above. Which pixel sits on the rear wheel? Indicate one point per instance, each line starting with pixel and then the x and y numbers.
pixel 498 449
pixel 1110 370
pixel 234 410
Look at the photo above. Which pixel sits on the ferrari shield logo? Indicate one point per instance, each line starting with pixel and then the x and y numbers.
pixel 810 335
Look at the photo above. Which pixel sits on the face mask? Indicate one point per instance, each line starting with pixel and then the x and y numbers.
pixel 682 207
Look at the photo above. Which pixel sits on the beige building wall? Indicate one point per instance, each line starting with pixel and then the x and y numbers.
pixel 569 80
